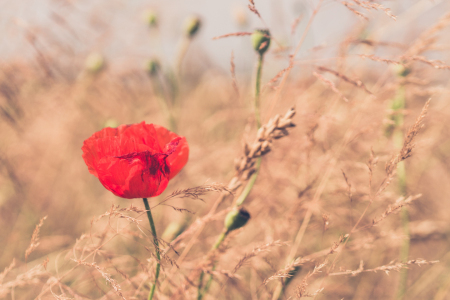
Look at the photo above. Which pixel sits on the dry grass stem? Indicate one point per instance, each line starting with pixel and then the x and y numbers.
pixel 34 243
pixel 232 34
pixel 356 82
pixel 105 275
pixel 256 251
pixel 386 268
pixel 331 85
pixel 233 75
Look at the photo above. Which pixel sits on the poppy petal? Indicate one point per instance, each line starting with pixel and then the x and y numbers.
pixel 135 161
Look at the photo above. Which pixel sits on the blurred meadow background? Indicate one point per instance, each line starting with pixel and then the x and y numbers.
pixel 351 203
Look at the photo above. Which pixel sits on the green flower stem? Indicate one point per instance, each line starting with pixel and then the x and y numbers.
pixel 201 293
pixel 183 47
pixel 258 91
pixel 250 183
pixel 219 241
pixel 253 178
pixel 200 286
pixel 155 241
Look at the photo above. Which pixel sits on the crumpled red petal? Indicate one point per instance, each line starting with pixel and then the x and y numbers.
pixel 135 161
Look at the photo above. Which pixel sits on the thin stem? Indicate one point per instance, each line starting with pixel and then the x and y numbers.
pixel 401 176
pixel 200 285
pixel 258 91
pixel 251 181
pixel 201 293
pixel 164 105
pixel 219 240
pixel 182 50
pixel 155 241
pixel 249 185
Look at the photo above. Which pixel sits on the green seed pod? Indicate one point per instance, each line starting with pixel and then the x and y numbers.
pixel 236 218
pixel 153 67
pixel 401 70
pixel 191 26
pixel 94 63
pixel 261 40
pixel 151 18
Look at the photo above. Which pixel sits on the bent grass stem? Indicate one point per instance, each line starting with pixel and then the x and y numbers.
pixel 155 241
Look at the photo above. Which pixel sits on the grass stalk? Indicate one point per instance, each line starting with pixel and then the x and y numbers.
pixel 155 241
pixel 164 105
pixel 399 105
pixel 258 90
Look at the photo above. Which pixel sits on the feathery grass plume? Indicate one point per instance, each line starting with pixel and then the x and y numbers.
pixel 7 270
pixel 233 75
pixel 116 287
pixel 34 243
pixel 232 34
pixel 196 193
pixel 35 276
pixel 356 82
pixel 301 289
pixel 386 268
pixel 256 251
pixel 331 85
pixel 253 9
pixel 395 208
pixel 276 128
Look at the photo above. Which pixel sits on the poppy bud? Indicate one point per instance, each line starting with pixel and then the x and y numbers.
pixel 151 18
pixel 236 219
pixel 401 70
pixel 94 63
pixel 261 40
pixel 191 26
pixel 153 67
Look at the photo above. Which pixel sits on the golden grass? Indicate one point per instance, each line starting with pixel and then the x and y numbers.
pixel 324 209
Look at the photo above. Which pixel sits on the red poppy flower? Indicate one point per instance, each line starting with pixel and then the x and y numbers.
pixel 135 161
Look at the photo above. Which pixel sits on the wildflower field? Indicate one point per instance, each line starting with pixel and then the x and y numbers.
pixel 151 151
